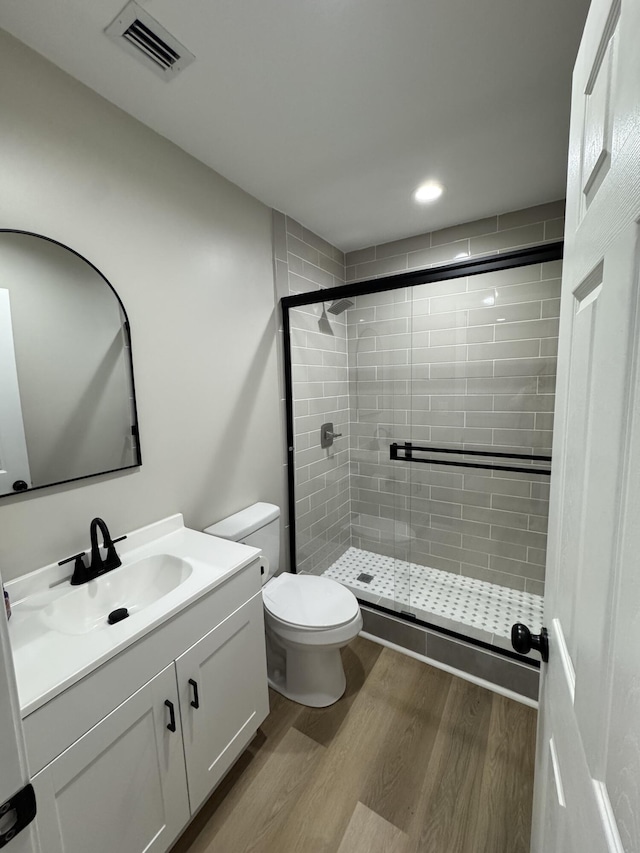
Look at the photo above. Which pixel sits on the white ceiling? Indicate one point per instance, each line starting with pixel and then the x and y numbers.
pixel 333 111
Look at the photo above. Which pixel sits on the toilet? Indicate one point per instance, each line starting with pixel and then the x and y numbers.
pixel 308 619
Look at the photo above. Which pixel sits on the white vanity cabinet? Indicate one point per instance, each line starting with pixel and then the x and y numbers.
pixel 122 779
pixel 223 697
pixel 122 785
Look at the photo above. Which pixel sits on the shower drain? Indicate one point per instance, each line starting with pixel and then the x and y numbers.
pixel 365 578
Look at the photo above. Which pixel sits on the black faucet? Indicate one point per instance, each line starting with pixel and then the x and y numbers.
pixel 97 566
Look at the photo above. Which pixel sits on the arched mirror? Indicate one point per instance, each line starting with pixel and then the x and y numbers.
pixel 67 402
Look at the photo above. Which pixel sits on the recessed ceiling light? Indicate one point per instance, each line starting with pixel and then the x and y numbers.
pixel 429 191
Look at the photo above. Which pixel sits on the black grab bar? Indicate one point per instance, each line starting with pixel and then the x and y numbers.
pixel 408 450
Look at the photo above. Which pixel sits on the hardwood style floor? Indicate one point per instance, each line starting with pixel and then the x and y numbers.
pixel 410 760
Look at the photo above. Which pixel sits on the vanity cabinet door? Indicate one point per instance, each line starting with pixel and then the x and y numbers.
pixel 122 786
pixel 223 696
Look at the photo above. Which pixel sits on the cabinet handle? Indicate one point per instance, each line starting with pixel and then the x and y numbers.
pixel 196 701
pixel 172 716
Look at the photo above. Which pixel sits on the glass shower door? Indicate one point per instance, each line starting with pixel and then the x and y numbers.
pixel 320 402
pixel 481 410
pixel 350 375
pixel 379 333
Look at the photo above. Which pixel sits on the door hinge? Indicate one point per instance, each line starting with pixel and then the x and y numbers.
pixel 16 813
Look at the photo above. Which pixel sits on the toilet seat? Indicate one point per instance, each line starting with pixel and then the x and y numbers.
pixel 308 602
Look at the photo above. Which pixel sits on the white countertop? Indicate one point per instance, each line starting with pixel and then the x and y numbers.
pixel 48 661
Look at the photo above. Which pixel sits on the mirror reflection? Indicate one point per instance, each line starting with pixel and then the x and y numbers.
pixel 67 407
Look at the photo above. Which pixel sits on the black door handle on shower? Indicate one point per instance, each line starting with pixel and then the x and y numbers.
pixel 171 725
pixel 196 700
pixel 523 640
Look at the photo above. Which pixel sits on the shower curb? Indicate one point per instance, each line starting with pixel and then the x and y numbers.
pixel 515 679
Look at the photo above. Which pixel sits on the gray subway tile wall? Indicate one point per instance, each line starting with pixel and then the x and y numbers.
pixel 305 262
pixel 438 363
pixel 478 359
pixel 457 393
pixel 495 234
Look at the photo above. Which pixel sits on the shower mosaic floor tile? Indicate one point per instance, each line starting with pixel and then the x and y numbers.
pixel 473 607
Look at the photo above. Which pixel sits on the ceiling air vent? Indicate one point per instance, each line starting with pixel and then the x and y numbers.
pixel 143 37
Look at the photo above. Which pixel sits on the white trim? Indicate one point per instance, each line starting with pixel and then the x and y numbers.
pixel 565 657
pixel 480 682
pixel 13 757
pixel 607 818
pixel 607 34
pixel 556 773
pixel 589 298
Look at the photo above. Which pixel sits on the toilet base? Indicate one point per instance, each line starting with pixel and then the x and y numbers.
pixel 314 677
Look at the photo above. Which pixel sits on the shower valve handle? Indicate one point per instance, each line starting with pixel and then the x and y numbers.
pixel 327 434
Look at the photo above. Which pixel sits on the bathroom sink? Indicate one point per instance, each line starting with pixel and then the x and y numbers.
pixel 60 633
pixel 134 586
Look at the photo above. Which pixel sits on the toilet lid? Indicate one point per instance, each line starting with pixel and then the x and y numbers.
pixel 309 601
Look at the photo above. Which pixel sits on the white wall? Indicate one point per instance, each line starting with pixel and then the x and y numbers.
pixel 190 256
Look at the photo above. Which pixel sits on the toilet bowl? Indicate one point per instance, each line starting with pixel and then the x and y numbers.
pixel 308 619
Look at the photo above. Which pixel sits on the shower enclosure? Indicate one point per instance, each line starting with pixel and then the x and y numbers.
pixel 420 418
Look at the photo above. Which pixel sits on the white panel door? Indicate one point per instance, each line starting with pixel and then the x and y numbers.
pixel 14 462
pixel 13 760
pixel 587 793
pixel 121 786
pixel 223 696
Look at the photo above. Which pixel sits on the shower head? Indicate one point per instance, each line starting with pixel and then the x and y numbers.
pixel 340 305
pixel 324 325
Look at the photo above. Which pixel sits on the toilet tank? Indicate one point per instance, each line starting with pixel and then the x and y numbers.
pixel 259 526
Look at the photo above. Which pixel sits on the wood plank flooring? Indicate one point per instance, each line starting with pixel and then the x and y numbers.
pixel 410 760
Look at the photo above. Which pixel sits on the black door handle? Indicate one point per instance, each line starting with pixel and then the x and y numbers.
pixel 196 701
pixel 23 806
pixel 172 716
pixel 523 640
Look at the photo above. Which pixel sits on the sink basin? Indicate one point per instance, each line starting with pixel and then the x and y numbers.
pixel 60 633
pixel 134 586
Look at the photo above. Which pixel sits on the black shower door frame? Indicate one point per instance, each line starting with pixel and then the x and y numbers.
pixel 476 266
